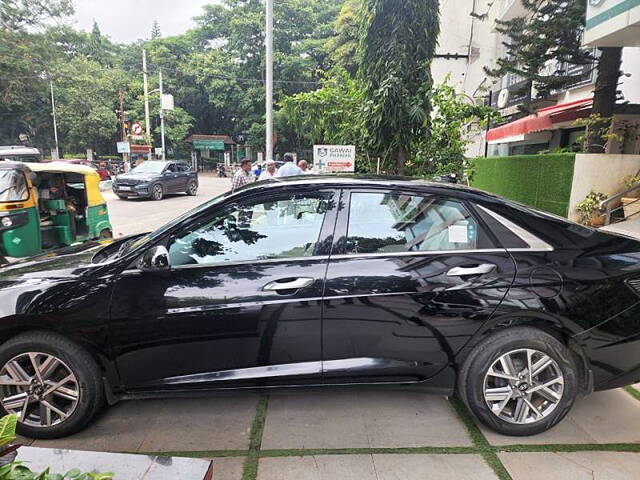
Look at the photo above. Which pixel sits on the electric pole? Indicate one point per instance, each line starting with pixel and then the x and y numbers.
pixel 164 156
pixel 123 130
pixel 269 81
pixel 145 74
pixel 55 124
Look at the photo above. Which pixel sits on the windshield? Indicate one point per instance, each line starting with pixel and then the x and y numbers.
pixel 13 186
pixel 149 167
pixel 145 239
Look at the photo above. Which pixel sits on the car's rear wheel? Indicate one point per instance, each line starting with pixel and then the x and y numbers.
pixel 156 192
pixel 519 381
pixel 51 384
pixel 192 188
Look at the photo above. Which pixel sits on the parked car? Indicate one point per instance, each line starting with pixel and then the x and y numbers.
pixel 325 281
pixel 154 179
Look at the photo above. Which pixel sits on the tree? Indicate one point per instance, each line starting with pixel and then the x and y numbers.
pixel 20 14
pixel 544 41
pixel 398 44
pixel 343 46
pixel 155 30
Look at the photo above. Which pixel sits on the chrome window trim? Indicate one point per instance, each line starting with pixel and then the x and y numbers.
pixel 527 237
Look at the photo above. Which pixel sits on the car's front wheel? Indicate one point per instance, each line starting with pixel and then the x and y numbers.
pixel 519 381
pixel 51 384
pixel 156 192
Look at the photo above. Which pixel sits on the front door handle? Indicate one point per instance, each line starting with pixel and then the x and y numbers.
pixel 475 270
pixel 289 284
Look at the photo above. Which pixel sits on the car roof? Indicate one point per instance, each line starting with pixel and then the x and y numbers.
pixel 360 181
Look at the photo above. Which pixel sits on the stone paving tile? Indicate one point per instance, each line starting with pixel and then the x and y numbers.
pixel 572 466
pixel 376 467
pixel 361 417
pixel 218 422
pixel 228 468
pixel 611 416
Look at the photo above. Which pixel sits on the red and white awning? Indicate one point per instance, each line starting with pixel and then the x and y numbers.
pixel 543 119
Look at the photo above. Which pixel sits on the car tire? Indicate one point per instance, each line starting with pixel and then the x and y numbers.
pixel 495 386
pixel 58 358
pixel 192 188
pixel 157 192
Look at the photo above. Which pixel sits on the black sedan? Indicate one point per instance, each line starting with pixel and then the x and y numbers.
pixel 154 179
pixel 327 281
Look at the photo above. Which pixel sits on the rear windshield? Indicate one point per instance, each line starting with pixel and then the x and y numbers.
pixel 13 186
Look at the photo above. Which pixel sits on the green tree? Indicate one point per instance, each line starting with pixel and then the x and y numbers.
pixel 343 46
pixel 20 14
pixel 155 30
pixel 541 43
pixel 398 44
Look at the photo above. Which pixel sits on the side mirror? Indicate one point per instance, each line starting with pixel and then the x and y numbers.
pixel 156 259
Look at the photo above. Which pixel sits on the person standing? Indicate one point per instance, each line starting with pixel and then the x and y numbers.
pixel 289 169
pixel 269 171
pixel 304 166
pixel 243 175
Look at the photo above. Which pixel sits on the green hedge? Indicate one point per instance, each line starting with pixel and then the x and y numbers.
pixel 541 181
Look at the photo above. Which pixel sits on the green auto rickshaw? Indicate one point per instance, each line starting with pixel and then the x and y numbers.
pixel 49 205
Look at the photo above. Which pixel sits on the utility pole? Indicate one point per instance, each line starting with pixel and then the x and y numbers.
pixel 164 155
pixel 55 124
pixel 269 81
pixel 123 134
pixel 145 74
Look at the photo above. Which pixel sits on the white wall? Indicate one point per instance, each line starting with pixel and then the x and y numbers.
pixel 599 172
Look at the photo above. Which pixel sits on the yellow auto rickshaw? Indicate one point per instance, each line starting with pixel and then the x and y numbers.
pixel 49 205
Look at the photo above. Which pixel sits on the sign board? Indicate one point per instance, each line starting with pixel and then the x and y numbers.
pixel 166 101
pixel 124 147
pixel 612 23
pixel 334 158
pixel 136 128
pixel 208 144
pixel 158 151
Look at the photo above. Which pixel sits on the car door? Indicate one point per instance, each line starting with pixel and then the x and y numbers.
pixel 242 302
pixel 411 277
pixel 171 178
pixel 184 174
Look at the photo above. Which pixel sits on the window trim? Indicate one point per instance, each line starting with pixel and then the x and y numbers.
pixel 535 243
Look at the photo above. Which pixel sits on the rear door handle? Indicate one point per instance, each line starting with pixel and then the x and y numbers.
pixel 475 270
pixel 295 284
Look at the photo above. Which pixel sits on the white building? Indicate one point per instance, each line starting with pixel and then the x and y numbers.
pixel 468 29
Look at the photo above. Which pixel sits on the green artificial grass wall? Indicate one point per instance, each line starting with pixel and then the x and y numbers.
pixel 540 181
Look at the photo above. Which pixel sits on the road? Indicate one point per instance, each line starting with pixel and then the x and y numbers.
pixel 142 215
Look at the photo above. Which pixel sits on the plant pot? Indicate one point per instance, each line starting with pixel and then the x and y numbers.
pixel 631 207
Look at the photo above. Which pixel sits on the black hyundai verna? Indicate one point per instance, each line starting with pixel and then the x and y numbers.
pixel 327 281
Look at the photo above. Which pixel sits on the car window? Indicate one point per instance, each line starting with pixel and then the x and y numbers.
pixel 171 168
pixel 283 227
pixel 395 222
pixel 183 168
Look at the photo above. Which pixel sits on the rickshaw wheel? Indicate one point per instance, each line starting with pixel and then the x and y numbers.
pixel 106 234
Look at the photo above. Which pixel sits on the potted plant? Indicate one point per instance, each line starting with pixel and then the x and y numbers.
pixel 589 209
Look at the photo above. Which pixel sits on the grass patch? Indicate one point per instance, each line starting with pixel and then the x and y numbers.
pixel 479 441
pixel 586 447
pixel 250 468
pixel 306 452
pixel 203 454
pixel 635 393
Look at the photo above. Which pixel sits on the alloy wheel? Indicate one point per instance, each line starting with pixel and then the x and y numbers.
pixel 39 388
pixel 523 386
pixel 193 188
pixel 157 192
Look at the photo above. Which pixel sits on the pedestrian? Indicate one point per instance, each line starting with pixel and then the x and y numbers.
pixel 304 166
pixel 289 169
pixel 269 172
pixel 243 175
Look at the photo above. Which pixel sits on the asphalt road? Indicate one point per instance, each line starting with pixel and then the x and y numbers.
pixel 142 215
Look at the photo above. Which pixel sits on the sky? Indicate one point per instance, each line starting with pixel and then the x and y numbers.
pixel 129 20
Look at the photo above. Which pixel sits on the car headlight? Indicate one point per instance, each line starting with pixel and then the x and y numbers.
pixel 7 222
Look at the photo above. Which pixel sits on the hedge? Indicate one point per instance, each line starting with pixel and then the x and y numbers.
pixel 541 181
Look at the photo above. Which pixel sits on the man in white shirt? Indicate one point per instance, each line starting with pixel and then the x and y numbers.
pixel 304 166
pixel 289 169
pixel 269 171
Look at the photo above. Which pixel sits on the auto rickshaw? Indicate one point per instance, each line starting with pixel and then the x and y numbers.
pixel 49 205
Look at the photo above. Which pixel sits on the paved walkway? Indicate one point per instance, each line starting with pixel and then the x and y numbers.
pixel 366 433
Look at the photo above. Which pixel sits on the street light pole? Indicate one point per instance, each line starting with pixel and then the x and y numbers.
pixel 55 124
pixel 269 81
pixel 164 156
pixel 146 93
